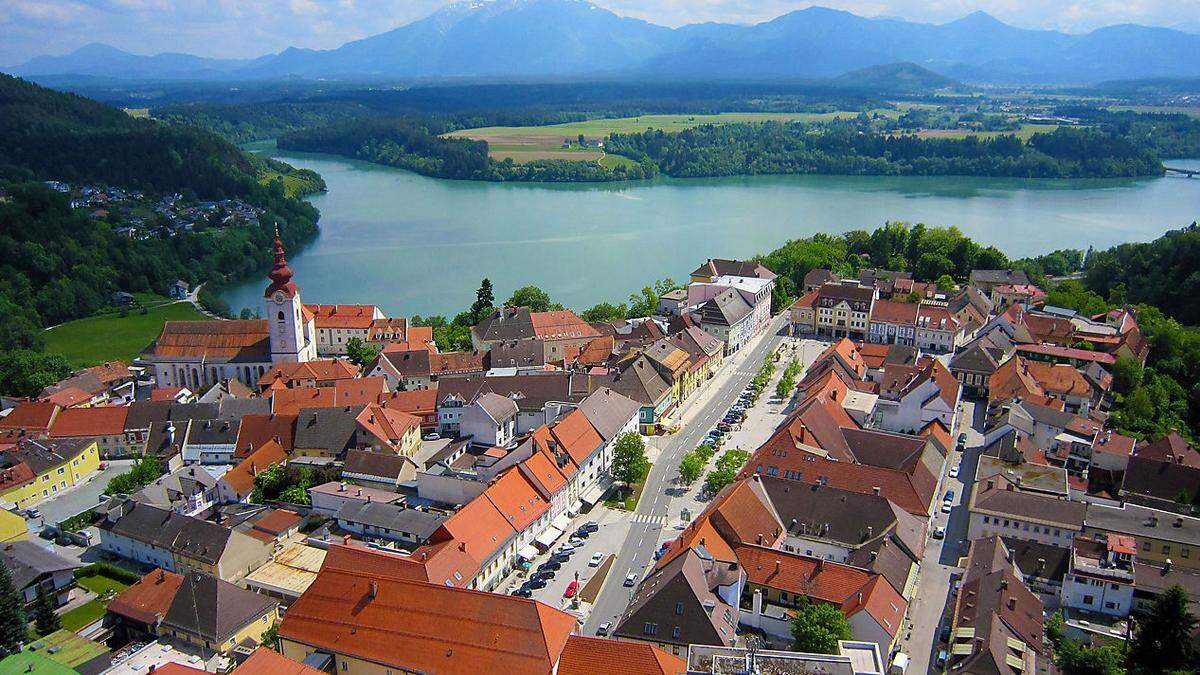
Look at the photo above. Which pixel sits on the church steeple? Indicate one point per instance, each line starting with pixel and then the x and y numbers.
pixel 280 274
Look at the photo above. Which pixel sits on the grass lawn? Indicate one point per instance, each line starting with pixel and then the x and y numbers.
pixel 107 337
pixel 1166 109
pixel 545 142
pixel 101 584
pixel 1024 133
pixel 82 615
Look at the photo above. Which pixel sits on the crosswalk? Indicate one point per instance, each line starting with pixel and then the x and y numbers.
pixel 649 519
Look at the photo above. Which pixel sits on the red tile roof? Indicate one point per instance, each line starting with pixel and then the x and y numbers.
pixel 388 425
pixel 417 402
pixel 1069 353
pixel 460 547
pixel 16 476
pixel 1059 378
pixel 516 499
pixel 321 370
pixel 107 420
pixel 277 521
pixel 173 668
pixel 576 435
pixel 164 393
pixel 241 477
pixel 597 656
pixel 213 339
pixel 256 430
pixel 68 397
pixel 890 311
pixel 31 416
pixel 266 661
pixel 543 473
pixel 426 627
pixel 355 392
pixel 148 600
pixel 343 316
pixel 561 324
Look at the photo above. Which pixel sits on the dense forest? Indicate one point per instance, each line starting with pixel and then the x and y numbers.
pixel 846 148
pixel 1170 136
pixel 57 263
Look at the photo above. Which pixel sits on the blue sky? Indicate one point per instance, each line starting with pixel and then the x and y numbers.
pixel 247 28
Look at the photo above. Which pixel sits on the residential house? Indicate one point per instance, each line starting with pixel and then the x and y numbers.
pixel 376 521
pixel 110 382
pixel 490 421
pixel 373 611
pixel 421 403
pixel 540 398
pixel 844 310
pixel 938 330
pixel 389 429
pixel 177 543
pixel 755 292
pixel 104 424
pixel 802 315
pixel 728 317
pixel 336 325
pixel 598 656
pixel 188 491
pixel 987 280
pixel 214 614
pixel 318 373
pixel 908 401
pixel 327 432
pixel 974 366
pixel 237 484
pixel 386 469
pixel 1101 577
pixel 672 303
pixel 817 277
pixel 33 565
pixel 1163 538
pixel 558 330
pixel 893 322
pixel 998 623
pixel 640 381
pixel 328 498
pixel 140 609
pixel 998 507
pixel 37 469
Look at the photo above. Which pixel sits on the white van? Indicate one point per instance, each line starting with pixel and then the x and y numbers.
pixel 899 664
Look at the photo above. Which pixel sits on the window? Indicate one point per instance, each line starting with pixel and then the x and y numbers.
pixel 1087 599
pixel 1114 586
pixel 1110 605
pixel 1166 549
pixel 1185 552
pixel 679 607
pixel 1146 546
pixel 650 628
pixel 675 632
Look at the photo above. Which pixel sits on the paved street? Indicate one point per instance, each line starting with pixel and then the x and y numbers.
pixel 653 509
pixel 78 498
pixel 933 598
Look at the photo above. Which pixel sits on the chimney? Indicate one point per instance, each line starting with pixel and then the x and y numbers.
pixel 342 486
pixel 875 490
pixel 346 539
pixel 374 589
pixel 253 468
pixel 368 499
pixel 778 566
pixel 1012 603
pixel 162 576
pixel 1179 522
pixel 1004 584
pixel 359 493
pixel 462 546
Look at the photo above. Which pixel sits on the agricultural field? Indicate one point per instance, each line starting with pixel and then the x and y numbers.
pixel 1162 109
pixel 110 336
pixel 1024 133
pixel 561 141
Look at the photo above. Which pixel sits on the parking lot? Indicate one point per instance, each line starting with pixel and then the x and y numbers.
pixel 78 498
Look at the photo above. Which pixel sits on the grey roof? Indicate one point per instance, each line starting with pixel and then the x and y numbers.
pixel 818 277
pixel 215 609
pixel 506 323
pixel 412 363
pixel 175 488
pixel 641 382
pixel 43 454
pixel 1142 521
pixel 144 413
pixel 697 342
pixel 999 277
pixel 726 308
pixel 831 514
pixel 194 411
pixel 691 579
pixel 847 292
pixel 902 355
pixel 1003 499
pixel 1162 481
pixel 375 464
pixel 183 535
pixel 393 517
pixel 331 429
pixel 499 408
pixel 719 267
pixel 214 432
pixel 977 358
pixel 1036 559
pixel 27 562
pixel 530 392
pixel 608 411
pixel 518 354
pixel 167 437
pixel 237 408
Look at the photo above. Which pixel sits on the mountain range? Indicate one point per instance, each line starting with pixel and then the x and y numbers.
pixel 529 39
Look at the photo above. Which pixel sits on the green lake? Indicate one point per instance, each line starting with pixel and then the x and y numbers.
pixel 417 245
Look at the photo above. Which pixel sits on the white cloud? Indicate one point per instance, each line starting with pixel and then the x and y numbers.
pixel 237 28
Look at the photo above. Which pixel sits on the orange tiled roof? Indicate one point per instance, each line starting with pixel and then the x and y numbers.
pixel 164 393
pixel 265 661
pixel 541 470
pixel 68 397
pixel 357 317
pixel 455 362
pixel 32 415
pixel 562 324
pixel 1059 379
pixel 355 392
pixel 107 420
pixel 388 330
pixel 516 499
pixel 426 627
pixel 256 430
pixel 15 476
pixel 277 521
pixel 417 402
pixel 598 656
pixel 241 477
pixel 148 600
pixel 576 435
pixel 213 339
pixel 387 424
pixel 321 370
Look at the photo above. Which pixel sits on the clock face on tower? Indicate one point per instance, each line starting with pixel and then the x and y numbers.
pixel 278 297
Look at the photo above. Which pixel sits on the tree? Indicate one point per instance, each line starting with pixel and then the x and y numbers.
pixel 532 297
pixel 1127 374
pixel 690 467
pixel 44 618
pixel 718 478
pixel 360 353
pixel 1074 658
pixel 818 627
pixel 945 283
pixel 629 459
pixel 14 627
pixel 1162 639
pixel 270 637
pixel 642 304
pixel 485 301
pixel 604 311
pixel 26 373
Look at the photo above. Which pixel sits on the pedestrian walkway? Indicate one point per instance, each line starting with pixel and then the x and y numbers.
pixel 646 518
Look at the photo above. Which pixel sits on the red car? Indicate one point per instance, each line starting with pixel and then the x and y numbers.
pixel 571 589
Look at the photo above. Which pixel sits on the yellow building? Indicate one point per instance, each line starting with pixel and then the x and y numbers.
pixel 243 616
pixel 38 469
pixel 12 527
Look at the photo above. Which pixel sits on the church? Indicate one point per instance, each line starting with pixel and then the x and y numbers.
pixel 199 354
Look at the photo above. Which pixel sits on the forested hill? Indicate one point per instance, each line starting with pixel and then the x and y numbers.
pixel 59 263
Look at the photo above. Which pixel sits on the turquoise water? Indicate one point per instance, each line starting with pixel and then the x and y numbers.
pixel 417 245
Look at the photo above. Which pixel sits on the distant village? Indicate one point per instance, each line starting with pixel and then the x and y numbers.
pixel 140 217
pixel 942 471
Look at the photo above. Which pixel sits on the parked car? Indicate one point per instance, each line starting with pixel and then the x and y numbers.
pixel 33 512
pixel 590 526
pixel 603 628
pixel 941 658
pixel 939 533
pixel 572 588
pixel 597 557
pixel 545 575
pixel 522 592
pixel 954 472
pixel 947 507
pixel 567 548
pixel 581 533
pixel 631 578
pixel 537 583
pixel 576 541
pixel 724 427
pixel 949 496
pixel 962 443
pixel 944 634
pixel 550 565
pixel 433 436
pixel 559 558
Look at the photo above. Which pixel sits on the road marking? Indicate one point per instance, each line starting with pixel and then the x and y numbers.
pixel 649 519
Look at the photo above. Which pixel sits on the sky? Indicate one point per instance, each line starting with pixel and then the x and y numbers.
pixel 249 28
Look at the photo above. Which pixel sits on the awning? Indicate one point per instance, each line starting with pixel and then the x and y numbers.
pixel 528 552
pixel 573 509
pixel 547 538
pixel 593 494
pixel 562 522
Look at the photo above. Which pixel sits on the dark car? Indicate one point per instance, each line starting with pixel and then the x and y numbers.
pixel 523 592
pixel 544 575
pixel 559 558
pixel 550 565
pixel 537 582
pixel 582 532
pixel 725 427
pixel 591 526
